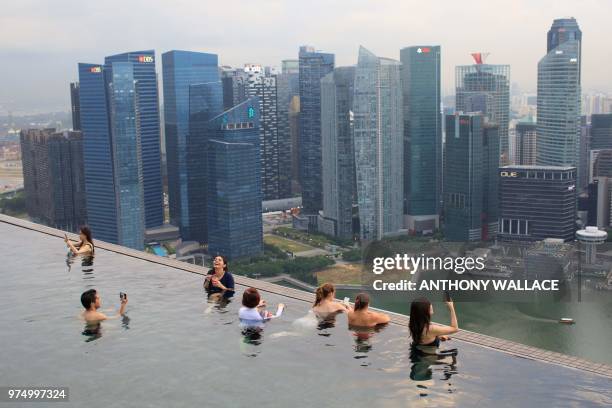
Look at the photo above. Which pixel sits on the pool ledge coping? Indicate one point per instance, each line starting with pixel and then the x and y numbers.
pixel 505 346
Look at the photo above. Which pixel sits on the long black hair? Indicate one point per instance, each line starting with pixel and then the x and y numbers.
pixel 85 230
pixel 420 318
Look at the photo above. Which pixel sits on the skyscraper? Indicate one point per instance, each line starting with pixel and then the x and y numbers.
pixel 537 202
pixel 234 187
pixel 378 135
pixel 313 66
pixel 558 123
pixel 339 189
pixel 53 177
pixel 525 153
pixel 148 128
pixel 601 131
pixel 287 88
pixel 420 74
pixel 192 96
pixel 486 88
pixel 75 105
pixel 470 178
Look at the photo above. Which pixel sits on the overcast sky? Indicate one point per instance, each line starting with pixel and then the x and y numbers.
pixel 42 41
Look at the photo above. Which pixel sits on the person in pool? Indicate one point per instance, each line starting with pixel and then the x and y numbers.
pixel 91 301
pixel 422 331
pixel 85 247
pixel 219 279
pixel 361 316
pixel 325 303
pixel 253 308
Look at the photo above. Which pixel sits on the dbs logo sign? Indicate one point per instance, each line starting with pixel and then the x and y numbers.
pixel 95 70
pixel 145 58
pixel 423 50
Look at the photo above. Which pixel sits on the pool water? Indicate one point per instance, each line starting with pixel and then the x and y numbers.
pixel 177 348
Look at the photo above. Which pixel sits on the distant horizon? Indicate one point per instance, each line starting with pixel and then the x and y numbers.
pixel 41 43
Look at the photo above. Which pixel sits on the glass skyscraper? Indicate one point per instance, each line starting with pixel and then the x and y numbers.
pixel 313 66
pixel 338 155
pixel 192 96
pixel 287 88
pixel 234 182
pixel 470 178
pixel 486 88
pixel 146 96
pixel 558 120
pixel 75 106
pixel 112 125
pixel 420 74
pixel 378 134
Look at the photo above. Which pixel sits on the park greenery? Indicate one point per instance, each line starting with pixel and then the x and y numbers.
pixel 13 204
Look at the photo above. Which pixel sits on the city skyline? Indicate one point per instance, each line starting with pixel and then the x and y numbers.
pixel 57 41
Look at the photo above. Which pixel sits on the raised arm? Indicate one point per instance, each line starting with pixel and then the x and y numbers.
pixel 73 249
pixel 440 330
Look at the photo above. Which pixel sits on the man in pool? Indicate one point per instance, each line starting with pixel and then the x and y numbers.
pixel 91 302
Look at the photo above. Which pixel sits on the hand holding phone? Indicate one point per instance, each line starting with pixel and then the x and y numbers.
pixel 123 297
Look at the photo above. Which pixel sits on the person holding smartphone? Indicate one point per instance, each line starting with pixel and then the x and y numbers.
pixel 325 302
pixel 85 247
pixel 91 301
pixel 219 279
pixel 422 331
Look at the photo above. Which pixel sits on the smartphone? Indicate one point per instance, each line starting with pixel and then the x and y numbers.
pixel 122 295
pixel 447 297
pixel 346 301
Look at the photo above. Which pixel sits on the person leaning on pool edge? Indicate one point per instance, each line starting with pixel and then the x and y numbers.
pixel 219 279
pixel 424 333
pixel 85 246
pixel 91 301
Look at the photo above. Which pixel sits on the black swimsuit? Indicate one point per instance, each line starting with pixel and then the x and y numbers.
pixel 435 343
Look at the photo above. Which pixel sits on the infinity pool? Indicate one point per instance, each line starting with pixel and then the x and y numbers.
pixel 177 349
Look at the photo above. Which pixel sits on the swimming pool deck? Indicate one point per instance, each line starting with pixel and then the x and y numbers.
pixel 505 346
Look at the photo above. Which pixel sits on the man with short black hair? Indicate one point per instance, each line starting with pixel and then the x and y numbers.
pixel 91 302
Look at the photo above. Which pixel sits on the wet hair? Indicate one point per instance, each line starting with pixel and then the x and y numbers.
pixel 362 300
pixel 88 298
pixel 420 318
pixel 225 264
pixel 323 291
pixel 250 298
pixel 85 230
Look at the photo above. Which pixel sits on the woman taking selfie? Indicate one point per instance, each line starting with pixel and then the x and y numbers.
pixel 422 331
pixel 85 247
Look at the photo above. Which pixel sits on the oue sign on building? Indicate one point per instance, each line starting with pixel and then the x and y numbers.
pixel 508 174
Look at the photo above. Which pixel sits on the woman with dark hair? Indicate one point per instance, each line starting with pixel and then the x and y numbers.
pixel 361 316
pixel 219 279
pixel 325 302
pixel 253 310
pixel 422 331
pixel 85 246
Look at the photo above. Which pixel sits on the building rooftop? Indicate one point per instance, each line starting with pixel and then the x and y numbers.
pixel 542 168
pixel 174 336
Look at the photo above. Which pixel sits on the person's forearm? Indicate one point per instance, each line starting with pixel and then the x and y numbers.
pixel 453 316
pixel 122 309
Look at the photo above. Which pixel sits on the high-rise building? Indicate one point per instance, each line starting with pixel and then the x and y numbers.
pixel 339 189
pixel 525 149
pixel 234 186
pixel 558 123
pixel 420 73
pixel 53 178
pixel 148 128
pixel 287 88
pixel 263 86
pixel 313 66
pixel 379 145
pixel 486 88
pixel 192 96
pixel 75 105
pixel 601 131
pixel 470 178
pixel 294 131
pixel 537 202
pixel 121 147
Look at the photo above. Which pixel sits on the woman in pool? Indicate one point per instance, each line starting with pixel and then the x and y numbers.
pixel 424 333
pixel 361 316
pixel 85 247
pixel 253 308
pixel 218 279
pixel 325 303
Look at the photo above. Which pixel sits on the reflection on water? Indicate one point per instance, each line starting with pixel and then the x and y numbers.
pixel 217 302
pixel 363 337
pixel 425 361
pixel 92 331
pixel 86 265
